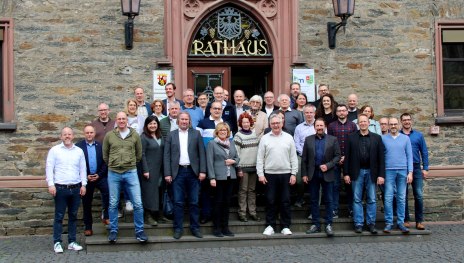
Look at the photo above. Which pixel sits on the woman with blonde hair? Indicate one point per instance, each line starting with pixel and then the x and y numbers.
pixel 133 120
pixel 221 160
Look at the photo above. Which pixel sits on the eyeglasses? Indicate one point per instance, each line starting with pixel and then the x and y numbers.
pixel 216 108
pixel 103 110
pixel 406 120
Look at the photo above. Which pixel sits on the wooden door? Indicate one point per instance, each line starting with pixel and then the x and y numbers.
pixel 204 79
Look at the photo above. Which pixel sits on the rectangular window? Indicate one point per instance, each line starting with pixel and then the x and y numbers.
pixel 449 50
pixel 6 75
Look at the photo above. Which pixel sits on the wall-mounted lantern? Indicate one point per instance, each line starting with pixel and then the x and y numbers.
pixel 131 9
pixel 342 9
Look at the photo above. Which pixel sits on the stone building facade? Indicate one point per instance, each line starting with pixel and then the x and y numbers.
pixel 68 56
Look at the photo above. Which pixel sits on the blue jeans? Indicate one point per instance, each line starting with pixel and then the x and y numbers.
pixel 327 187
pixel 395 179
pixel 185 184
pixel 71 199
pixel 364 181
pixel 417 190
pixel 130 181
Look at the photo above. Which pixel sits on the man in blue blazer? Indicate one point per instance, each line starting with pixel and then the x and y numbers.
pixel 321 153
pixel 229 114
pixel 96 177
pixel 170 90
pixel 184 168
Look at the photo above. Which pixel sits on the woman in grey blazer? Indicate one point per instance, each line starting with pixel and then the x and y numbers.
pixel 221 160
pixel 152 167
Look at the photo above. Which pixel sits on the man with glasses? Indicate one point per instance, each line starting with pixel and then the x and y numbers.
pixel 103 124
pixel 269 106
pixel 228 110
pixel 398 173
pixel 419 154
pixel 384 125
pixel 276 166
pixel 292 117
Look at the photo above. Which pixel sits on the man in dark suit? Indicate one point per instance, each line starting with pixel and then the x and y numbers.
pixel 170 90
pixel 364 166
pixel 96 177
pixel 184 168
pixel 239 98
pixel 321 153
pixel 229 114
pixel 169 123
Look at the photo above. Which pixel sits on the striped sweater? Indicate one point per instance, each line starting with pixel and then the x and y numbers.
pixel 247 150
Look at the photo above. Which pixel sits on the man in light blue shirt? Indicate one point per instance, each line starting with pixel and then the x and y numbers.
pixel 399 168
pixel 302 131
pixel 196 113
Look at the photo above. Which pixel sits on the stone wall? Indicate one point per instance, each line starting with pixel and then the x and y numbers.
pixel 70 56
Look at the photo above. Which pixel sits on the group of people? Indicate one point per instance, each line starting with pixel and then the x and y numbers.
pixel 198 151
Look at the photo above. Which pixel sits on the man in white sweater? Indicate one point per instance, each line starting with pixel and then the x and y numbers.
pixel 276 166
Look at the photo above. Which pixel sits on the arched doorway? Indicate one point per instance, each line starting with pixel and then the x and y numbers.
pixel 230 48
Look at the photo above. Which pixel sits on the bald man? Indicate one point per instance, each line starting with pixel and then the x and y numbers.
pixel 67 180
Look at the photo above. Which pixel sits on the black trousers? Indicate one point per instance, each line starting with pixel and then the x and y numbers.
pixel 102 185
pixel 222 195
pixel 278 196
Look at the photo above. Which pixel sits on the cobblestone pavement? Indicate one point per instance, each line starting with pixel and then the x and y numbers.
pixel 446 245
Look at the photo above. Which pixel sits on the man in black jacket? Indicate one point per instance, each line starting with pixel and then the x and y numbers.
pixel 229 114
pixel 96 177
pixel 364 166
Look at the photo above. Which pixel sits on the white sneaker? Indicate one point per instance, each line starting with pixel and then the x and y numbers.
pixel 269 231
pixel 58 248
pixel 129 207
pixel 286 231
pixel 75 246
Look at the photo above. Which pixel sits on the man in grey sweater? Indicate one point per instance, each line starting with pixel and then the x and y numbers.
pixel 277 165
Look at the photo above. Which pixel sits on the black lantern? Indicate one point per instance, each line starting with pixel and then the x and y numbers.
pixel 342 9
pixel 130 8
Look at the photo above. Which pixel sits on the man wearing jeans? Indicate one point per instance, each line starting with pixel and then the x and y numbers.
pixel 341 128
pixel 66 179
pixel 398 165
pixel 122 150
pixel 419 153
pixel 184 168
pixel 364 166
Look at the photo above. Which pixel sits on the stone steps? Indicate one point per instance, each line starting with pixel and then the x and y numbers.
pixel 99 243
pixel 246 234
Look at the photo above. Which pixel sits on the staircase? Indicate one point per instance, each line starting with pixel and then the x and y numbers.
pixel 246 234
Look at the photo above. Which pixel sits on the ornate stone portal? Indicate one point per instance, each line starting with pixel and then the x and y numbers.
pixel 270 29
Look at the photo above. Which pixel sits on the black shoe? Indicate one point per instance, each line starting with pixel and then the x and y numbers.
pixel 313 229
pixel 329 231
pixel 196 233
pixel 372 229
pixel 227 232
pixel 177 234
pixel 242 218
pixel 358 229
pixel 255 218
pixel 217 233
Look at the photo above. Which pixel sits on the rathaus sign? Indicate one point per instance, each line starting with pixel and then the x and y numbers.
pixel 229 32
